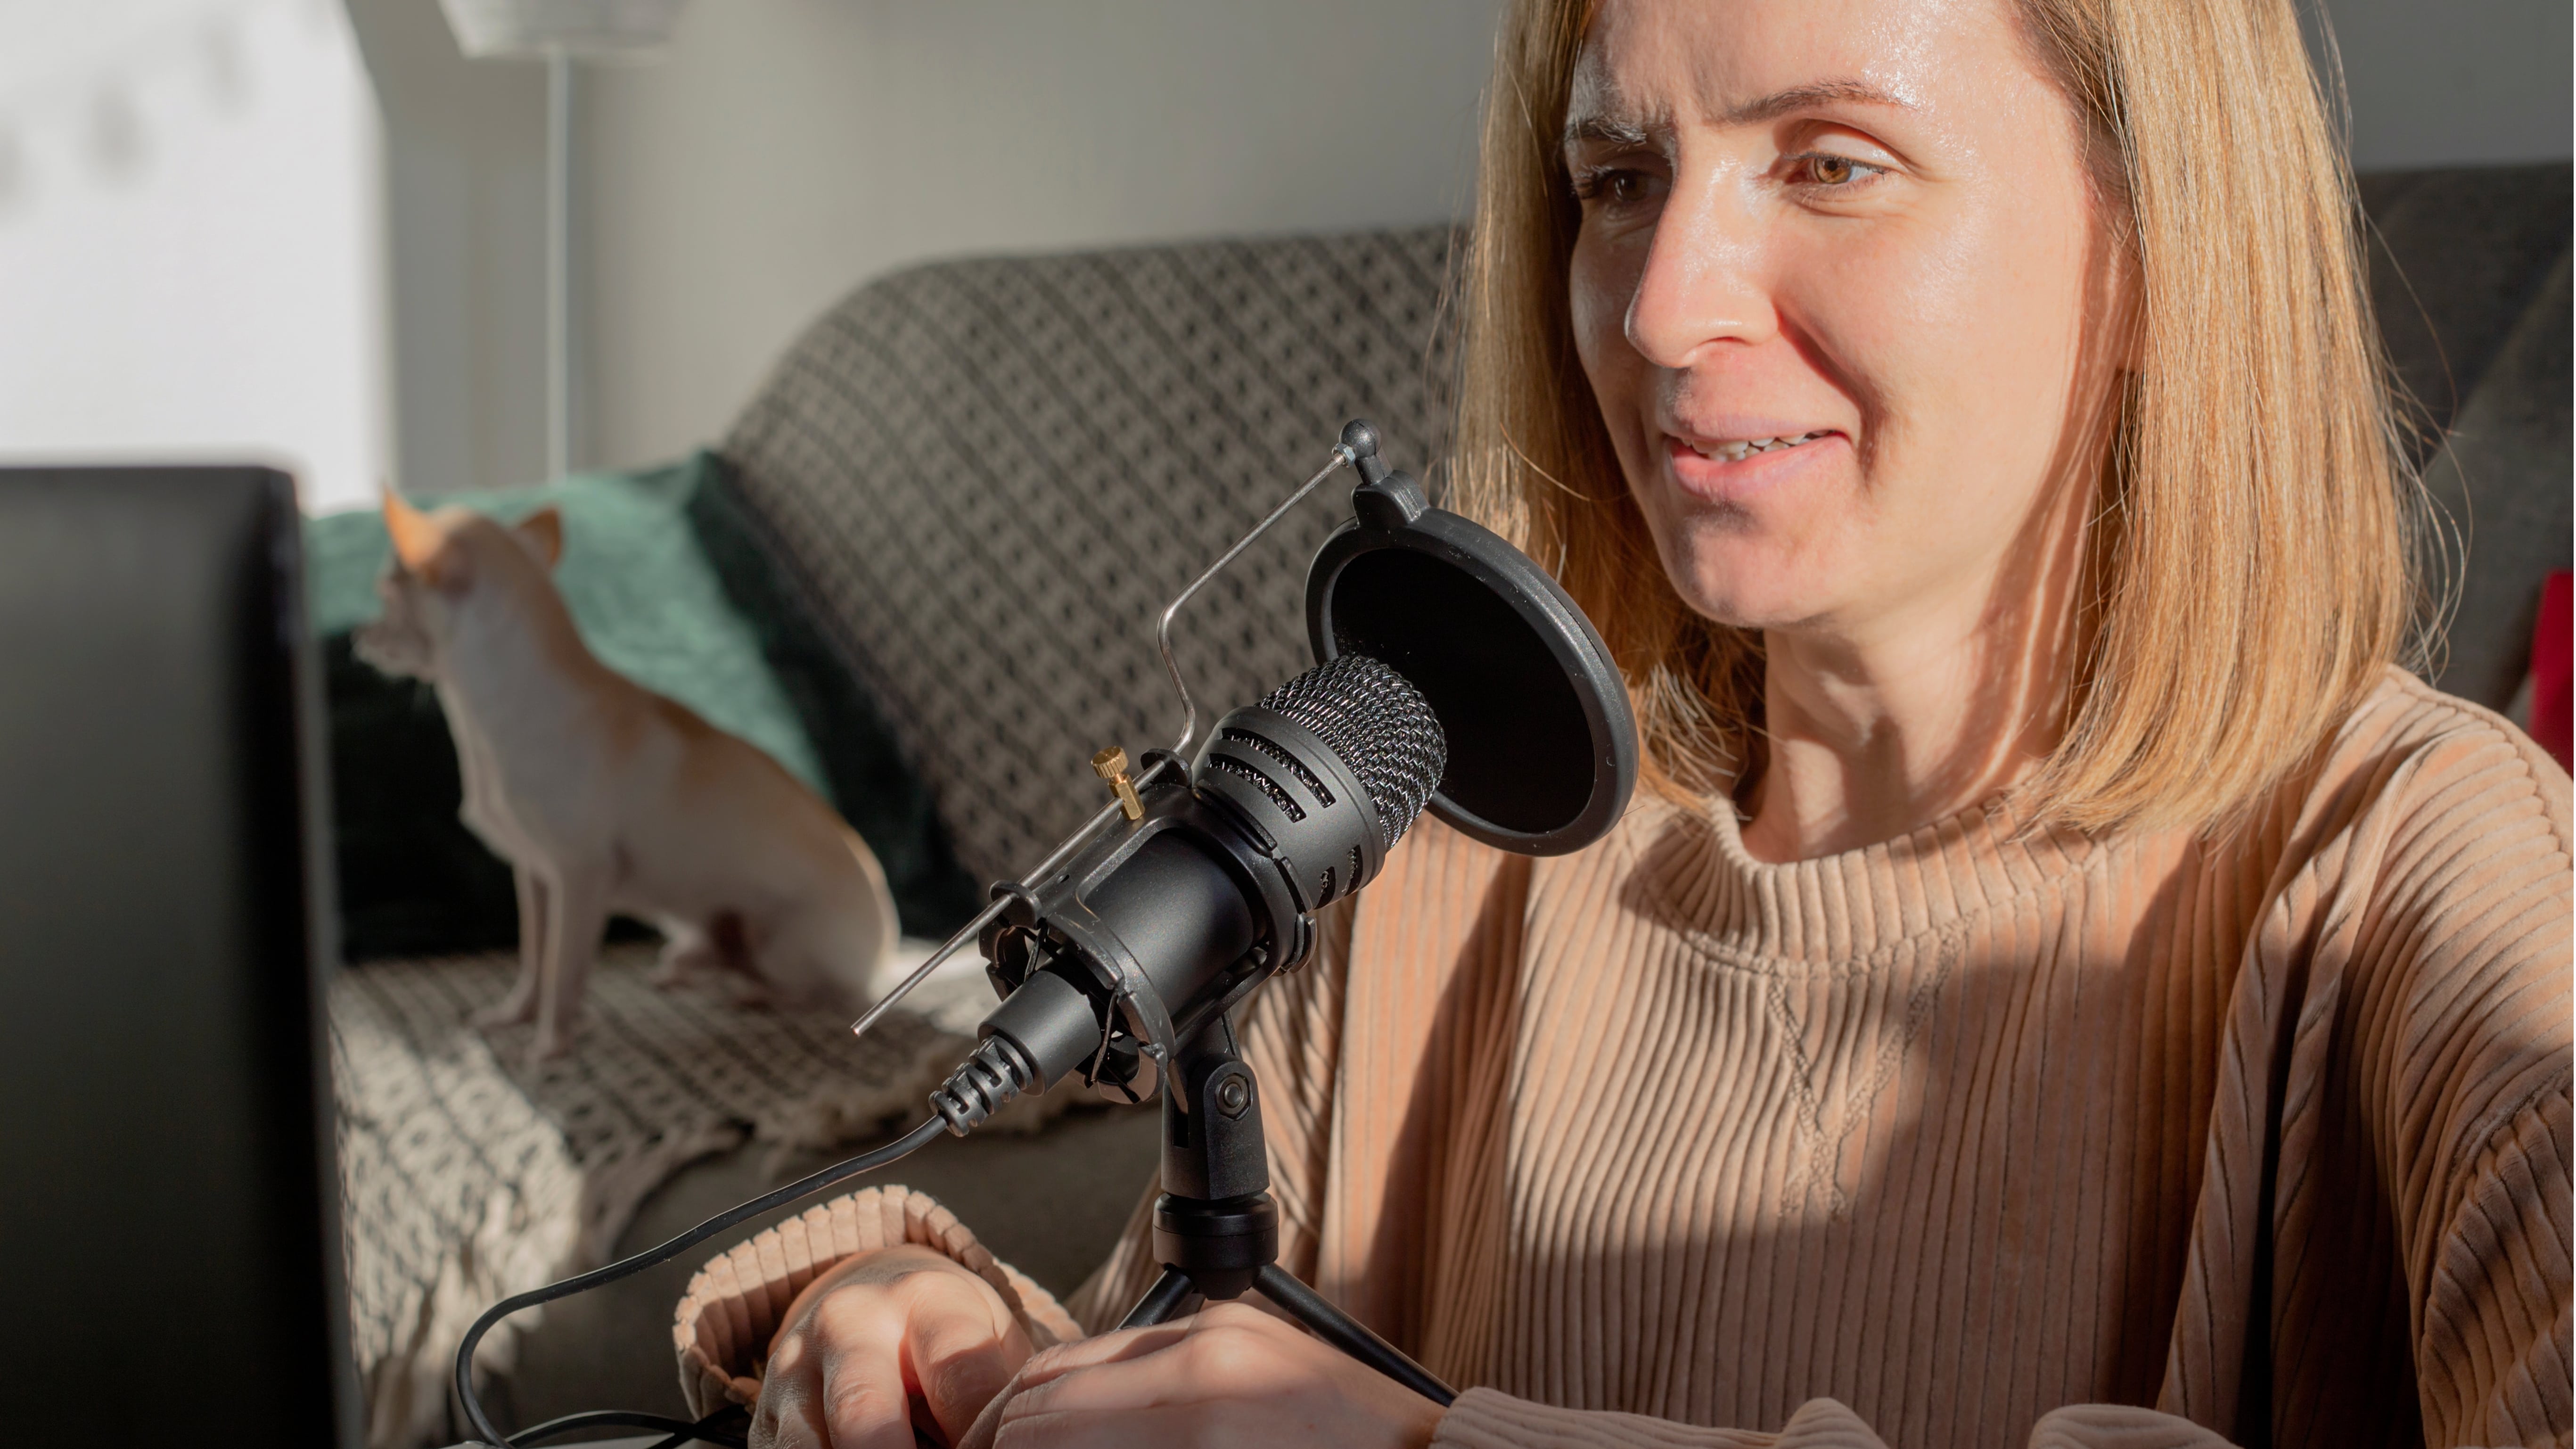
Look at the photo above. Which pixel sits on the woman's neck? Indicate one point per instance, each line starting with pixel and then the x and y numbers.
pixel 1874 732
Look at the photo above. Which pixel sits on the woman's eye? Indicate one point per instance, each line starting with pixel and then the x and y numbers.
pixel 1616 186
pixel 1823 168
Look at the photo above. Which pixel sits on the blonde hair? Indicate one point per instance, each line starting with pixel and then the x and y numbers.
pixel 2248 562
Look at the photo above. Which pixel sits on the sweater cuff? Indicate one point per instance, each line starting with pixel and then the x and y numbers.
pixel 1484 1419
pixel 734 1305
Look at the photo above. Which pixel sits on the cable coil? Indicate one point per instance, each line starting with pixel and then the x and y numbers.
pixel 986 1082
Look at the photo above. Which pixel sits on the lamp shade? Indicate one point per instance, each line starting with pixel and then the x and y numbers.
pixel 559 27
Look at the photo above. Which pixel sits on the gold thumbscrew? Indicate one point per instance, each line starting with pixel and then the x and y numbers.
pixel 1111 765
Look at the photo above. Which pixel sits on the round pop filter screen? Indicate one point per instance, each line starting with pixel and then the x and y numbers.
pixel 1542 751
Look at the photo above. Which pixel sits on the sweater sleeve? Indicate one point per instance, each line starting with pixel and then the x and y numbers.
pixel 2460 1038
pixel 1484 1419
pixel 734 1305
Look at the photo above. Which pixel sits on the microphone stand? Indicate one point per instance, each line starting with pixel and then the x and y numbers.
pixel 1216 1229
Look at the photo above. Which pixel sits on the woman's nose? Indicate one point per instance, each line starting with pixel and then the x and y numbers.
pixel 1702 285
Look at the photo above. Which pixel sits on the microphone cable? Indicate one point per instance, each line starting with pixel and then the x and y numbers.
pixel 480 1423
pixel 724 1426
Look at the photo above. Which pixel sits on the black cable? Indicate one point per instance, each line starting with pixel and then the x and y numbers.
pixel 481 1423
pixel 732 1422
pixel 708 1429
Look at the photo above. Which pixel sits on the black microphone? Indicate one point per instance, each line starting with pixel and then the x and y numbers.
pixel 1142 940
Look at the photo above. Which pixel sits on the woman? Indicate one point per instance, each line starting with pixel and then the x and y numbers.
pixel 2067 987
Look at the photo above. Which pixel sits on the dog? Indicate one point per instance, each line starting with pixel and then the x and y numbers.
pixel 606 797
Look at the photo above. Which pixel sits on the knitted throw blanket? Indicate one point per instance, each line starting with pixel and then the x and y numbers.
pixel 468 1174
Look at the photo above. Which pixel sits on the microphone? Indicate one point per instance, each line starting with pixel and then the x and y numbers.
pixel 1147 938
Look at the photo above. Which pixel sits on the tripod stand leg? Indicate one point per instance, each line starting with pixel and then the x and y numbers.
pixel 1342 1331
pixel 1160 1300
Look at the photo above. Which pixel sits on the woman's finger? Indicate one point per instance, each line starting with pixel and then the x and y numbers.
pixel 1219 1361
pixel 1178 1426
pixel 1100 1348
pixel 959 1359
pixel 787 1422
pixel 864 1401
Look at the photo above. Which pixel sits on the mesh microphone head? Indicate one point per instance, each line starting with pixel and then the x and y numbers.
pixel 1379 725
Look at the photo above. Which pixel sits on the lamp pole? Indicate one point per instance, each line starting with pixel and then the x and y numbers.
pixel 559 348
pixel 558 31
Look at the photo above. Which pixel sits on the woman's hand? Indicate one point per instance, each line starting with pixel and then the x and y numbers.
pixel 1229 1375
pixel 891 1338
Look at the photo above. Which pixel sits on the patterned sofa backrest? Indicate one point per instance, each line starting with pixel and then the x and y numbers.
pixel 988 477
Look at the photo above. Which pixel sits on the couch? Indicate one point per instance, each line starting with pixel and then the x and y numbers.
pixel 982 479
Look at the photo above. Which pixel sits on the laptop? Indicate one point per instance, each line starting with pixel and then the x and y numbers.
pixel 166 1177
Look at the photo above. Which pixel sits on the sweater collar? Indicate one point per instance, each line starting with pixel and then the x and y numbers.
pixel 1845 907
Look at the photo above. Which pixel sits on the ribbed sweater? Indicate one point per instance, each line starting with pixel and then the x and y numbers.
pixel 1983 1136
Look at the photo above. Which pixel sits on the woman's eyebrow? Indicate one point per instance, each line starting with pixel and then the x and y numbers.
pixel 1605 130
pixel 1798 98
pixel 1616 130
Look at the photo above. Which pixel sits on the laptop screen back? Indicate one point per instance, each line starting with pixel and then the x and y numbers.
pixel 165 1176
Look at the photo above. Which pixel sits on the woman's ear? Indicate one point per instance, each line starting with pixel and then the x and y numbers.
pixel 542 531
pixel 419 543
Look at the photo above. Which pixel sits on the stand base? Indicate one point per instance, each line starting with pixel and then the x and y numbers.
pixel 1308 1307
pixel 1216 1230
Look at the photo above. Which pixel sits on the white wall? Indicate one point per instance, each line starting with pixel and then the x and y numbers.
pixel 2455 82
pixel 784 151
pixel 464 209
pixel 189 254
pixel 787 149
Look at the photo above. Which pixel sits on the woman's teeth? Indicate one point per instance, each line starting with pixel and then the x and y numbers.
pixel 1739 449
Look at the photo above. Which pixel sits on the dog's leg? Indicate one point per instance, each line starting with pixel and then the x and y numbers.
pixel 577 911
pixel 687 954
pixel 520 1006
pixel 731 936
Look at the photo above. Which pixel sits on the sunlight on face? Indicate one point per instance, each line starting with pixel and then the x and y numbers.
pixel 1838 270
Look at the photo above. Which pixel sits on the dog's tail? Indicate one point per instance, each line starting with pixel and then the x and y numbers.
pixel 889 928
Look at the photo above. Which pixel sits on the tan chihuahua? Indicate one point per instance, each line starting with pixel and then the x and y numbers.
pixel 605 796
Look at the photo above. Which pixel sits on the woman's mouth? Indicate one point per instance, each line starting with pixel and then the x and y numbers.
pixel 1718 468
pixel 1736 450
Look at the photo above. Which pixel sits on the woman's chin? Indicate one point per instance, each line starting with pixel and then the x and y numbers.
pixel 1754 593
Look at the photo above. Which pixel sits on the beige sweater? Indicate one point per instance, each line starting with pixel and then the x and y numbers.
pixel 1970 1138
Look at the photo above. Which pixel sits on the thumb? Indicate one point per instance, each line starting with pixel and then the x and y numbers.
pixel 979 1435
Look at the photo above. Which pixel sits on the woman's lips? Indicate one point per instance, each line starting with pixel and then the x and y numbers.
pixel 1742 468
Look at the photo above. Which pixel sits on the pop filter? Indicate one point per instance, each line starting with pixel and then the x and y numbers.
pixel 1542 744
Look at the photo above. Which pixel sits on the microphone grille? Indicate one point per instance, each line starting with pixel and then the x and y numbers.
pixel 1381 728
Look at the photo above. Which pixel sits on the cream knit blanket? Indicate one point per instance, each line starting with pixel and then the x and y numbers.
pixel 467 1174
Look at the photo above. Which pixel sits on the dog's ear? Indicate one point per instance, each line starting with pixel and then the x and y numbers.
pixel 543 531
pixel 419 544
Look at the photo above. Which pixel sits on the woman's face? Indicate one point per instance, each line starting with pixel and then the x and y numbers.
pixel 1838 274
